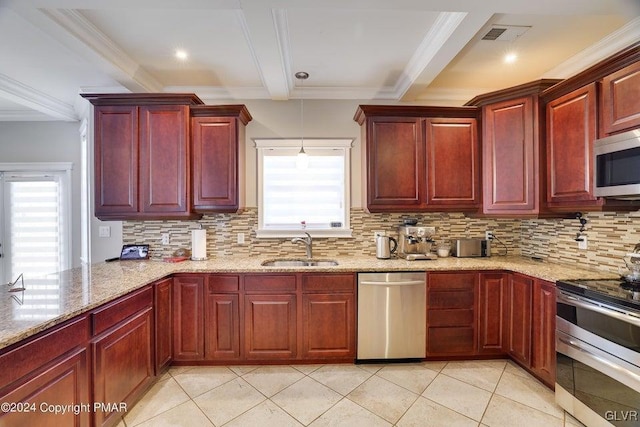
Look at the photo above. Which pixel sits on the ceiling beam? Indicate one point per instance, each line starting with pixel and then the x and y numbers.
pixel 267 36
pixel 451 32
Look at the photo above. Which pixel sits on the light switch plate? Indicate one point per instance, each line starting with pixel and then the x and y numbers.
pixel 104 231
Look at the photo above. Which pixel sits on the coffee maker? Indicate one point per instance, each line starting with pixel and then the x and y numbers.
pixel 414 242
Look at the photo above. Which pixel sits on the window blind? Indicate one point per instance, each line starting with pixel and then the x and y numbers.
pixel 37 243
pixel 313 195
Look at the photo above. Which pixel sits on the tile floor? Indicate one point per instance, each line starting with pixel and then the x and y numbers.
pixel 478 393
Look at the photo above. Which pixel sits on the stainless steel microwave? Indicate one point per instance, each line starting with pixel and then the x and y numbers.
pixel 617 166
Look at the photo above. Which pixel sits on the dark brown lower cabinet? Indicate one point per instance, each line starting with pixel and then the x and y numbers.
pixel 328 326
pixel 222 318
pixel 222 327
pixel 328 316
pixel 270 326
pixel 122 355
pixel 188 317
pixel 519 318
pixel 543 360
pixel 52 369
pixel 451 313
pixel 163 296
pixel 492 311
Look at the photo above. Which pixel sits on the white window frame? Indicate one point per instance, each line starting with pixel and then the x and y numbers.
pixel 310 145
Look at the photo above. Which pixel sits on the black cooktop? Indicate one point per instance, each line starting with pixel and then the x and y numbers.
pixel 615 291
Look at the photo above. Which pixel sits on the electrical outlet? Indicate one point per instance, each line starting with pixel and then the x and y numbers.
pixel 582 244
pixel 165 238
pixel 241 238
pixel 104 231
pixel 378 233
pixel 488 235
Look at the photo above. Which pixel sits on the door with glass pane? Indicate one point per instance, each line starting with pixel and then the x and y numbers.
pixel 34 233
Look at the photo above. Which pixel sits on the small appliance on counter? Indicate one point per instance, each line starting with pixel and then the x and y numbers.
pixel 469 248
pixel 385 246
pixel 414 242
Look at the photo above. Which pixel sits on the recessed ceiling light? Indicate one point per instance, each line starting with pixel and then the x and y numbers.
pixel 181 54
pixel 510 57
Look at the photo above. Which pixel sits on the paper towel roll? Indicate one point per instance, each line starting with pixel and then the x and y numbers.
pixel 198 245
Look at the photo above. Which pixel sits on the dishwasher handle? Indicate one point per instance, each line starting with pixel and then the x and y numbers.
pixel 398 283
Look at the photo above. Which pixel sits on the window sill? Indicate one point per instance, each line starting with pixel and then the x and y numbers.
pixel 286 234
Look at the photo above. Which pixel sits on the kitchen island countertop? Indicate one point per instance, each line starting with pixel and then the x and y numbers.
pixel 76 291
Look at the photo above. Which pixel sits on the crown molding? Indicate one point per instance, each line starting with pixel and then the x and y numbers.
pixel 29 97
pixel 24 116
pixel 74 23
pixel 611 44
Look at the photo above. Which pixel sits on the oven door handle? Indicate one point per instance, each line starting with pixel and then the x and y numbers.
pixel 607 310
pixel 601 362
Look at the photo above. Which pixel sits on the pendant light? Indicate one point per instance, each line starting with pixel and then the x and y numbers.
pixel 302 160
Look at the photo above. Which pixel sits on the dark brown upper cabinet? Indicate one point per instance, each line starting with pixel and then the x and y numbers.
pixel 621 100
pixel 418 159
pixel 513 150
pixel 218 133
pixel 141 156
pixel 167 156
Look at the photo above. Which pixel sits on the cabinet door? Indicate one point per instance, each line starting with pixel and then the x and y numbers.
pixel 621 100
pixel 509 157
pixel 452 163
pixel 543 361
pixel 492 312
pixel 222 326
pixel 520 290
pixel 395 164
pixel 65 382
pixel 164 182
pixel 328 326
pixel 571 130
pixel 116 160
pixel 215 164
pixel 188 318
pixel 270 326
pixel 123 364
pixel 163 324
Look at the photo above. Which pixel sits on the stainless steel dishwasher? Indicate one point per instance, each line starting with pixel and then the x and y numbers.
pixel 392 315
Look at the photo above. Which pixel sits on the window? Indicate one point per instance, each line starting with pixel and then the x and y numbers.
pixel 295 197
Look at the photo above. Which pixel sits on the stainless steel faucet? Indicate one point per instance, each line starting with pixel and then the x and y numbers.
pixel 308 243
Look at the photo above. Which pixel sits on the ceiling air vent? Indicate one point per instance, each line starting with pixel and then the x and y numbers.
pixel 505 33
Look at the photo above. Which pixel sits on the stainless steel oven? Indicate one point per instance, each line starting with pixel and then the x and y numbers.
pixel 598 352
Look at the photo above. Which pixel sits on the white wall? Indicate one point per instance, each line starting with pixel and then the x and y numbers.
pixel 47 142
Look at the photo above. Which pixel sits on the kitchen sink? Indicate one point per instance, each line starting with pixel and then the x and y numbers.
pixel 299 263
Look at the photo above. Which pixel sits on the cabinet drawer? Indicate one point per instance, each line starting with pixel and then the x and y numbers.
pixel 223 283
pixel 451 317
pixel 269 283
pixel 449 281
pixel 450 299
pixel 109 315
pixel 328 282
pixel 33 355
pixel 451 340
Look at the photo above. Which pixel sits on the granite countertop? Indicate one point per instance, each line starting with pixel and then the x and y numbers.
pixel 72 292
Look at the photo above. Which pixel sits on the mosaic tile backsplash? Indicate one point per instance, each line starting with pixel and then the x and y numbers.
pixel 610 236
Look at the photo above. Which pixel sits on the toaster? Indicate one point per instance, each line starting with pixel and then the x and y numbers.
pixel 468 248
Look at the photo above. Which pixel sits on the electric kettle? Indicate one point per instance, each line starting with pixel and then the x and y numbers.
pixel 385 246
